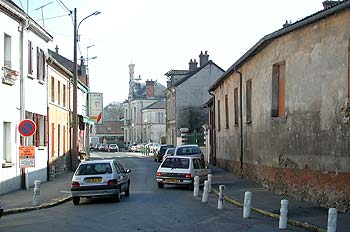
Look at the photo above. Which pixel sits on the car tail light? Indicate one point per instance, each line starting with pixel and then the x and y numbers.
pixel 188 175
pixel 159 174
pixel 75 184
pixel 112 182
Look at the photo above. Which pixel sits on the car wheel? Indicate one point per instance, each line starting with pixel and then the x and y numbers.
pixel 117 196
pixel 76 200
pixel 127 192
pixel 160 185
pixel 155 160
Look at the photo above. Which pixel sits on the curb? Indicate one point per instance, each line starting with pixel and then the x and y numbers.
pixel 303 225
pixel 43 206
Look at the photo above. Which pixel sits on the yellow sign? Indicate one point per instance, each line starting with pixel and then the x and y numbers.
pixel 26 156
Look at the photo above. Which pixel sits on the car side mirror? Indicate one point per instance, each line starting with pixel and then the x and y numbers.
pixel 127 170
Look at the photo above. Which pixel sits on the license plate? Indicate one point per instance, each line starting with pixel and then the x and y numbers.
pixel 171 180
pixel 94 180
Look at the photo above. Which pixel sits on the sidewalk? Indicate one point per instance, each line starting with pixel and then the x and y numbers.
pixel 52 193
pixel 301 214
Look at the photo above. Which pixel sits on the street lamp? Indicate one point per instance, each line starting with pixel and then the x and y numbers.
pixel 75 145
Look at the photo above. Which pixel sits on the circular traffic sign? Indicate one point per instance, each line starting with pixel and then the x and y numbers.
pixel 27 127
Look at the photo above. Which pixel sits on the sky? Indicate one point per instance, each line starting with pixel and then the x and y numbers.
pixel 159 35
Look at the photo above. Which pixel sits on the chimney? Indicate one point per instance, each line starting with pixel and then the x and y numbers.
pixel 149 89
pixel 203 58
pixel 328 4
pixel 287 24
pixel 192 65
pixel 56 48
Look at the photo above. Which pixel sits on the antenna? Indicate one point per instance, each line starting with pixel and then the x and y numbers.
pixel 42 14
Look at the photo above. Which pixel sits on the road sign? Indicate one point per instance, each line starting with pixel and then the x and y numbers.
pixel 27 127
pixel 26 156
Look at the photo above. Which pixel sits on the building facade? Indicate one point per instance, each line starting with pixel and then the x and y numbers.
pixel 186 93
pixel 59 89
pixel 295 110
pixel 141 95
pixel 24 83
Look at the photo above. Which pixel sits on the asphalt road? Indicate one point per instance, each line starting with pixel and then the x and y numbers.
pixel 146 209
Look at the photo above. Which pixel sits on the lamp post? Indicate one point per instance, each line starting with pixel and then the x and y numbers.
pixel 75 145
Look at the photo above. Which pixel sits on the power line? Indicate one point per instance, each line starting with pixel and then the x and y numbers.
pixel 59 16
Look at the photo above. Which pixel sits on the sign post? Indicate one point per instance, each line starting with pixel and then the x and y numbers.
pixel 27 128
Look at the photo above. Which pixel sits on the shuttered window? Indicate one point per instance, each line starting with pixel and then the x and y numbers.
pixel 278 90
pixel 219 116
pixel 249 101
pixel 235 104
pixel 226 112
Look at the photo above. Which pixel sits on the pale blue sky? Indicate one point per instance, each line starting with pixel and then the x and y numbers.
pixel 159 35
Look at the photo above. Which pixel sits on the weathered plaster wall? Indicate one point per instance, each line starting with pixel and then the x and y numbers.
pixel 306 153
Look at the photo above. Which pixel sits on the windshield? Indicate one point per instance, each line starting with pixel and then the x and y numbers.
pixel 188 150
pixel 176 163
pixel 94 168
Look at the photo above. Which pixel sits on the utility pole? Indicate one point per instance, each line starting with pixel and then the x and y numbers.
pixel 75 148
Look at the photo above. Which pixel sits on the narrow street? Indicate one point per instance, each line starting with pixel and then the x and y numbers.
pixel 147 209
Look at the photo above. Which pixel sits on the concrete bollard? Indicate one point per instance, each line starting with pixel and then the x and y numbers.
pixel 221 197
pixel 205 192
pixel 332 220
pixel 283 215
pixel 247 204
pixel 210 177
pixel 196 186
pixel 36 196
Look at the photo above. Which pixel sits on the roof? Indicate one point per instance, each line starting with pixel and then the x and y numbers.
pixel 13 10
pixel 267 39
pixel 157 105
pixel 176 72
pixel 192 73
pixel 110 127
pixel 68 64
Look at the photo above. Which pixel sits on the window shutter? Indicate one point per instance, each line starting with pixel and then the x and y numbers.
pixel 46 129
pixel 274 100
pixel 44 66
pixel 37 133
pixel 38 63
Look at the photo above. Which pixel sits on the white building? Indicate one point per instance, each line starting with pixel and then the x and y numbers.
pixel 24 44
pixel 141 95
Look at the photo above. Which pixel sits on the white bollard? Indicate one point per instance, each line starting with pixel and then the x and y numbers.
pixel 221 197
pixel 205 192
pixel 36 196
pixel 283 215
pixel 332 220
pixel 196 186
pixel 210 177
pixel 247 204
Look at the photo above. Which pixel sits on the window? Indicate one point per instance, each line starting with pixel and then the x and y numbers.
pixel 249 101
pixel 64 95
pixel 219 125
pixel 58 92
pixel 41 135
pixel 235 104
pixel 30 57
pixel 278 90
pixel 226 111
pixel 7 51
pixel 41 69
pixel 52 90
pixel 7 142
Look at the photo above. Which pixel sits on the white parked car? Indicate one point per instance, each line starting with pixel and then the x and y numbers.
pixel 181 170
pixel 98 178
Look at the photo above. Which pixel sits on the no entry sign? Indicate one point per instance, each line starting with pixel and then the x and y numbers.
pixel 27 127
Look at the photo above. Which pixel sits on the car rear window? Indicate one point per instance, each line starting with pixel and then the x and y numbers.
pixel 170 151
pixel 182 163
pixel 188 150
pixel 97 168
